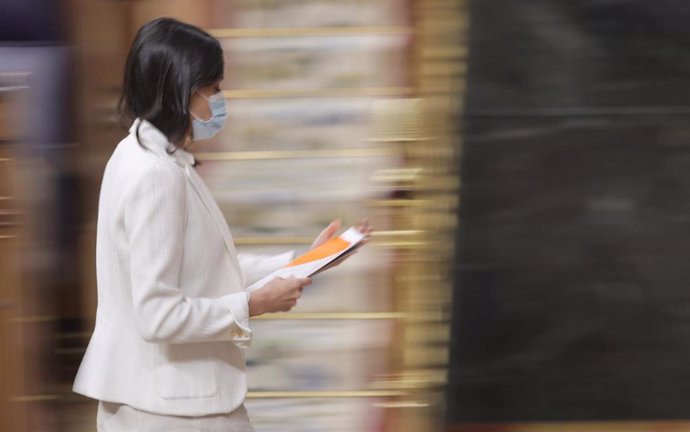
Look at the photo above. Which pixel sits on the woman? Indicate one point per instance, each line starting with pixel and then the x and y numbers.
pixel 172 318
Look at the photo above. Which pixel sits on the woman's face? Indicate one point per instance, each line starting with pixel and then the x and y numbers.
pixel 198 105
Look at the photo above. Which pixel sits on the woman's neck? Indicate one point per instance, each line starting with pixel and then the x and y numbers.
pixel 187 142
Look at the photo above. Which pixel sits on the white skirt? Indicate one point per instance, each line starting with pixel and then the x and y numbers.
pixel 115 417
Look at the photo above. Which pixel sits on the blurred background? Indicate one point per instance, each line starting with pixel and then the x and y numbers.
pixel 526 165
pixel 337 109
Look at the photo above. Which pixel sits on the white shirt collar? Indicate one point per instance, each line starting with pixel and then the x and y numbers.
pixel 156 141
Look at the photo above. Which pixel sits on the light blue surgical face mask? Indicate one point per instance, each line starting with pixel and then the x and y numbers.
pixel 205 129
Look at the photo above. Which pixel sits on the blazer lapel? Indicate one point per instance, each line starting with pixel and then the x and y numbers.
pixel 210 204
pixel 185 160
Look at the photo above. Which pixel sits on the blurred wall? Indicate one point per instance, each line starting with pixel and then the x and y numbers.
pixel 36 250
pixel 30 20
pixel 571 298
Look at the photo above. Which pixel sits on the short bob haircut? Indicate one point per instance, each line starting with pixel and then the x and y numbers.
pixel 168 62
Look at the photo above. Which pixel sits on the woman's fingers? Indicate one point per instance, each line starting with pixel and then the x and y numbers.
pixel 327 233
pixel 364 226
pixel 333 227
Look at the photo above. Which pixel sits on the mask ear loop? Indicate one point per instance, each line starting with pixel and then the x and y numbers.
pixel 192 114
pixel 202 96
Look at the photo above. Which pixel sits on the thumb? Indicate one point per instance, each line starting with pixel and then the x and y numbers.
pixel 334 226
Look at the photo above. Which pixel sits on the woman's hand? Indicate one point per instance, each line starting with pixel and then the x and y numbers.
pixel 327 234
pixel 279 295
pixel 330 231
pixel 363 226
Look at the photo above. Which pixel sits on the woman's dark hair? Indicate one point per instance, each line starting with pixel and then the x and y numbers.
pixel 168 62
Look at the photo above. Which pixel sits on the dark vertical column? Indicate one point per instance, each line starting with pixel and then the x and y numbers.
pixel 572 290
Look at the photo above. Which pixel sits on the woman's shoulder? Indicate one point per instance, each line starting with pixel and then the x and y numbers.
pixel 133 164
pixel 130 153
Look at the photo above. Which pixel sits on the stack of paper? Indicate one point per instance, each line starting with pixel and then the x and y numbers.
pixel 316 259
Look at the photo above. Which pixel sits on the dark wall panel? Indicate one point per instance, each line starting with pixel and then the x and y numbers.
pixel 572 298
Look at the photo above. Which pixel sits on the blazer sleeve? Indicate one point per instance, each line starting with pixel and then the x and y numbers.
pixel 155 217
pixel 256 266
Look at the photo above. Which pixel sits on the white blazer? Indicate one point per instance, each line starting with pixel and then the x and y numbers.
pixel 172 318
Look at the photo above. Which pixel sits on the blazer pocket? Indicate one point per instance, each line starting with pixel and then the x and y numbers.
pixel 186 371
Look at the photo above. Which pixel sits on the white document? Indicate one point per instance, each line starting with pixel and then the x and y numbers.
pixel 316 259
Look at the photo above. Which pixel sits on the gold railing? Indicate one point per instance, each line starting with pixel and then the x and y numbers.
pixel 295 154
pixel 310 31
pixel 318 92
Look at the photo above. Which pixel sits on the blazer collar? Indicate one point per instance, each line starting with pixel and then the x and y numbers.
pixel 154 140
